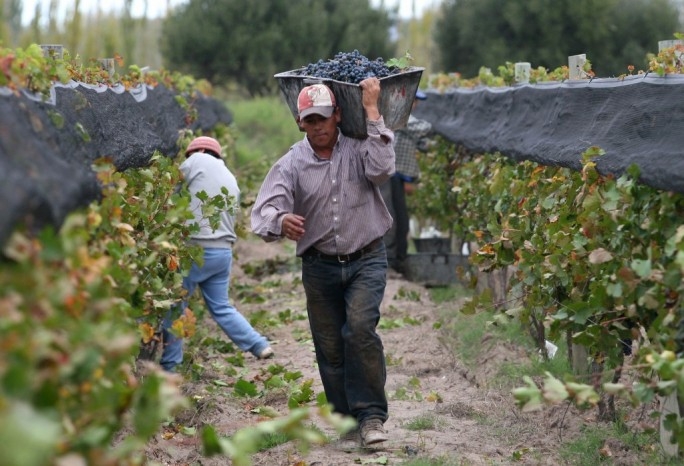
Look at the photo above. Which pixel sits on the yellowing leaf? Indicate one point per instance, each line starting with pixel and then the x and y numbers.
pixel 172 263
pixel 146 331
pixel 600 256
pixel 614 388
pixel 582 393
pixel 94 219
pixel 124 227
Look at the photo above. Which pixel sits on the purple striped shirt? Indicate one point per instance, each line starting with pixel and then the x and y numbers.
pixel 338 197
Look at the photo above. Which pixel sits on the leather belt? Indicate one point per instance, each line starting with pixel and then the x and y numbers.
pixel 344 258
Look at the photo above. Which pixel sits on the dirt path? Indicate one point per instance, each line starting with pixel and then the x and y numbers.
pixel 438 409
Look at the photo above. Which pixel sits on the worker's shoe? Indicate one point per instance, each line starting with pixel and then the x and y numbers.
pixel 372 432
pixel 266 353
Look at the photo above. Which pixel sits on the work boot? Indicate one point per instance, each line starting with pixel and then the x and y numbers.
pixel 372 432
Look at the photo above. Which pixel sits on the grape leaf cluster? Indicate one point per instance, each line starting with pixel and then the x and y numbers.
pixel 349 67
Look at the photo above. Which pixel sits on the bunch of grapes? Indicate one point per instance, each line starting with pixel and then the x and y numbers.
pixel 349 67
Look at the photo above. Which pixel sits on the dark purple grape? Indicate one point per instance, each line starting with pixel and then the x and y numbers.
pixel 349 67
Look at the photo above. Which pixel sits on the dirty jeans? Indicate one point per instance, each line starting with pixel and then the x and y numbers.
pixel 343 304
pixel 213 279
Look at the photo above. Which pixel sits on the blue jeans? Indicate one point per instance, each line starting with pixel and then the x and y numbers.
pixel 213 278
pixel 343 304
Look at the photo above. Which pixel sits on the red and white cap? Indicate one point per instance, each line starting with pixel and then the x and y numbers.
pixel 316 99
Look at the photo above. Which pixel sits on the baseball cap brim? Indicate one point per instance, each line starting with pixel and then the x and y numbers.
pixel 325 112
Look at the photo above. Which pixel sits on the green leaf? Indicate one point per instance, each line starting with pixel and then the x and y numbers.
pixel 583 393
pixel 266 411
pixel 274 382
pixel 582 314
pixel 529 398
pixel 189 431
pixel 35 434
pixel 245 388
pixel 378 460
pixel 210 441
pixel 614 290
pixel 554 390
pixel 643 392
pixel 400 63
pixel 148 413
pixel 642 267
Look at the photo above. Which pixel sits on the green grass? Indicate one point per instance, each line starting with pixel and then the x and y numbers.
pixel 449 294
pixel 269 441
pixel 465 334
pixel 265 128
pixel 423 422
pixel 585 450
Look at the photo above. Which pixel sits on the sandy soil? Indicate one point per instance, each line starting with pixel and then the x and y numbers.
pixel 470 422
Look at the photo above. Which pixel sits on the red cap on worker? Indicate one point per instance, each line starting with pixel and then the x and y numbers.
pixel 316 99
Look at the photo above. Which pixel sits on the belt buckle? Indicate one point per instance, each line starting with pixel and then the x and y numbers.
pixel 341 260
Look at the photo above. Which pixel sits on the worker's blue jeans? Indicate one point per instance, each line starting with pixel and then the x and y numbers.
pixel 213 279
pixel 343 304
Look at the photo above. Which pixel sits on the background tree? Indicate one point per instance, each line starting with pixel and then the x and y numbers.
pixel 14 10
pixel 613 33
pixel 74 27
pixel 35 32
pixel 128 31
pixel 53 29
pixel 247 42
pixel 414 35
pixel 4 30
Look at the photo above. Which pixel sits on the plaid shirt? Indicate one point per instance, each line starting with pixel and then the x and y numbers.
pixel 339 197
pixel 407 142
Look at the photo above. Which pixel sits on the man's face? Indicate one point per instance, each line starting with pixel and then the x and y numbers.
pixel 321 131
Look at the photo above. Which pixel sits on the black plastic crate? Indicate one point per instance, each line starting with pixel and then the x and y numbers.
pixel 434 245
pixel 431 269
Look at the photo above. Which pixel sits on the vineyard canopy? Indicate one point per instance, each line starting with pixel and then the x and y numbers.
pixel 636 120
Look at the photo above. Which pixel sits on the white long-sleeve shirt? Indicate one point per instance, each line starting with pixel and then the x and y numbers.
pixel 204 172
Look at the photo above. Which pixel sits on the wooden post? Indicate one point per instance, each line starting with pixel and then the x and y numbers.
pixel 678 46
pixel 666 44
pixel 522 72
pixel 108 65
pixel 668 405
pixel 576 66
pixel 52 50
pixel 580 359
